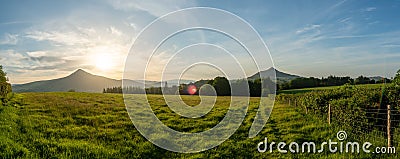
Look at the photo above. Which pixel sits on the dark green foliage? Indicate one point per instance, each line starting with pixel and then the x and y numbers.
pixel 329 81
pixel 392 92
pixel 304 83
pixel 396 79
pixel 255 88
pixel 221 85
pixel 113 90
pixel 202 82
pixel 5 87
pixel 383 80
pixel 362 80
pixel 351 105
pixel 3 75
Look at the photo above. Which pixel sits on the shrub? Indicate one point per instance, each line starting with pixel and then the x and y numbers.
pixel 5 88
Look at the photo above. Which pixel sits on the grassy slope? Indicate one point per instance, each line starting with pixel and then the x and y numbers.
pixel 87 125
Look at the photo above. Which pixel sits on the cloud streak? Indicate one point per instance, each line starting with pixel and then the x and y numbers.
pixel 155 8
pixel 9 39
pixel 369 9
pixel 308 28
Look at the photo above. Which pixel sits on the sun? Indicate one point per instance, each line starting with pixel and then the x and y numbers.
pixel 103 62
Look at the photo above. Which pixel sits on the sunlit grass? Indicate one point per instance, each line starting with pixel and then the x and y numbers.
pixel 90 125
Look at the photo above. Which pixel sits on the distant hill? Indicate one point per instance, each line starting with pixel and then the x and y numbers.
pixel 376 78
pixel 82 81
pixel 280 76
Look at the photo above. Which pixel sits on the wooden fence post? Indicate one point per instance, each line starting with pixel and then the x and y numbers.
pixel 388 126
pixel 329 114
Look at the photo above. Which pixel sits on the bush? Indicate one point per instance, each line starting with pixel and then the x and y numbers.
pixel 5 88
pixel 351 106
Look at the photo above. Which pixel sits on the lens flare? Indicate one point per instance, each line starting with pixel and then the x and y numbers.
pixel 191 89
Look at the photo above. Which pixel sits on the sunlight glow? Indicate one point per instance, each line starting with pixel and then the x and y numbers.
pixel 103 62
pixel 105 58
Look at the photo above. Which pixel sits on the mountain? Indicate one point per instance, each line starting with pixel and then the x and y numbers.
pixel 280 76
pixel 82 81
pixel 376 78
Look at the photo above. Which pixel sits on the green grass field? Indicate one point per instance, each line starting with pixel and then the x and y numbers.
pixel 304 90
pixel 94 125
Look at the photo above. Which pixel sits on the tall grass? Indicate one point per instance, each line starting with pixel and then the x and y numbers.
pixel 90 125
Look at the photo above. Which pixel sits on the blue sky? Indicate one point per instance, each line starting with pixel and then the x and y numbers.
pixel 50 39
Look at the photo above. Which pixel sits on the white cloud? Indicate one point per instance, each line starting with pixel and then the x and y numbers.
pixel 76 39
pixel 9 39
pixel 63 38
pixel 308 28
pixel 337 4
pixel 155 8
pixel 37 53
pixel 115 31
pixel 391 45
pixel 369 9
pixel 82 46
pixel 344 20
pixel 13 58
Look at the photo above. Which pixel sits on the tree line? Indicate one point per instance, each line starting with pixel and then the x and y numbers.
pixel 329 81
pixel 221 85
pixel 243 87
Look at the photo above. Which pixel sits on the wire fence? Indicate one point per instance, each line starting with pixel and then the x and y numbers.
pixel 379 126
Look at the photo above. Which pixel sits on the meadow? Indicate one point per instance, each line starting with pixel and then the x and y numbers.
pixel 95 125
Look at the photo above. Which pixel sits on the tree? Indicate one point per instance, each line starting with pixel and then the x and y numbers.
pixel 255 88
pixel 3 75
pixel 5 87
pixel 268 86
pixel 362 80
pixel 392 93
pixel 397 77
pixel 222 86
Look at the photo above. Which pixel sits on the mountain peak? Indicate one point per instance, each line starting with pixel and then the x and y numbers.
pixel 271 69
pixel 274 74
pixel 80 72
pixel 79 80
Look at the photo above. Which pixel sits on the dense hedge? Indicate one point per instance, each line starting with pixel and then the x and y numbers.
pixel 357 107
pixel 5 88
